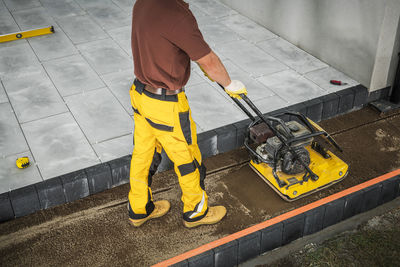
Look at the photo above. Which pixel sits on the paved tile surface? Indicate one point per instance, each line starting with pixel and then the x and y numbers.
pixel 52 46
pixel 70 90
pixel 99 115
pixel 3 96
pixel 88 29
pixel 216 34
pixel 18 60
pixel 110 16
pixel 122 36
pixel 213 8
pixel 13 5
pixel 34 97
pixel 323 76
pixel 255 89
pixel 28 19
pixel 247 28
pixel 72 75
pixel 58 9
pixel 119 84
pixel 13 178
pixel 12 140
pixel 209 108
pixel 291 86
pixel 58 145
pixel 105 56
pixel 291 55
pixel 7 23
pixel 251 58
pixel 114 148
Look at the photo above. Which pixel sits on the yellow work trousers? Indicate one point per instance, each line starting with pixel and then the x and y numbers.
pixel 165 121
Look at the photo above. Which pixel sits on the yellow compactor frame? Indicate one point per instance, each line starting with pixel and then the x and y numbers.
pixel 330 171
pixel 25 34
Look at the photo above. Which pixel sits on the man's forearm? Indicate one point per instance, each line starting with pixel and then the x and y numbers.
pixel 214 68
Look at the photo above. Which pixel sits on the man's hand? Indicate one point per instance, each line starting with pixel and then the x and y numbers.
pixel 235 89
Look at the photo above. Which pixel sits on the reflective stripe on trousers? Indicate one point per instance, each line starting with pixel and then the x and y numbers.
pixel 168 124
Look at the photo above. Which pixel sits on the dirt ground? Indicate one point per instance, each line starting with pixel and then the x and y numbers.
pixel 95 230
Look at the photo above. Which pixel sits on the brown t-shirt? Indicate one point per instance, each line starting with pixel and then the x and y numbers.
pixel 165 36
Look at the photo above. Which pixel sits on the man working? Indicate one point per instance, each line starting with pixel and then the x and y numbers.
pixel 165 37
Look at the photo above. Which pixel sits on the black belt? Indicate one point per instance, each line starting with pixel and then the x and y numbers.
pixel 141 88
pixel 157 91
pixel 161 91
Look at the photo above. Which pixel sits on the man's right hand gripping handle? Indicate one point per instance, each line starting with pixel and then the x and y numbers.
pixel 235 89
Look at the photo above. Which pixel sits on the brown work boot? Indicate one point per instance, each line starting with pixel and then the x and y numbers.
pixel 214 215
pixel 160 209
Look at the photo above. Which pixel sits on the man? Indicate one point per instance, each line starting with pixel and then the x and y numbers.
pixel 165 37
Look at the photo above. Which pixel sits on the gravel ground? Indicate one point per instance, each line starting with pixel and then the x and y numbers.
pixel 374 243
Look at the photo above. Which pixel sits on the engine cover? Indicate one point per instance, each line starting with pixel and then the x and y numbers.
pixel 271 150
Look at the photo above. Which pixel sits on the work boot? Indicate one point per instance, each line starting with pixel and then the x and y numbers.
pixel 160 209
pixel 214 215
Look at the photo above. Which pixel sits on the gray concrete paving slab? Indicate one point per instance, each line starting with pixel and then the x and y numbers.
pixel 114 148
pixel 100 115
pixel 213 8
pixel 52 46
pixel 110 16
pixel 95 4
pixel 34 97
pixel 105 56
pixel 88 29
pixel 2 6
pixel 12 178
pixel 7 22
pixel 3 96
pixel 202 18
pixel 291 55
pixel 58 145
pixel 194 79
pixel 125 4
pixel 66 8
pixel 270 103
pixel 122 36
pixel 17 61
pixel 210 109
pixel 33 18
pixel 119 84
pixel 216 34
pixel 12 140
pixel 13 5
pixel 249 57
pixel 323 76
pixel 72 75
pixel 291 86
pixel 247 28
pixel 255 89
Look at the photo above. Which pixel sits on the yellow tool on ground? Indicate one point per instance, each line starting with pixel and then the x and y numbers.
pixel 22 162
pixel 25 34
pixel 290 156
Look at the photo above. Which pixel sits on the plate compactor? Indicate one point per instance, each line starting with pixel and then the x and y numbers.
pixel 290 156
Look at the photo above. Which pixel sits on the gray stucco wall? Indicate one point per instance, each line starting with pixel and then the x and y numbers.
pixel 343 33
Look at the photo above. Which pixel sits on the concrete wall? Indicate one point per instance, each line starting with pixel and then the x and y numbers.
pixel 345 34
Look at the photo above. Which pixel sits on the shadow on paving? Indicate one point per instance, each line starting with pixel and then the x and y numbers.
pixel 95 230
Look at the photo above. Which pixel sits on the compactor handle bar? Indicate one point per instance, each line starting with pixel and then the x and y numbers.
pixel 268 119
pixel 258 113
